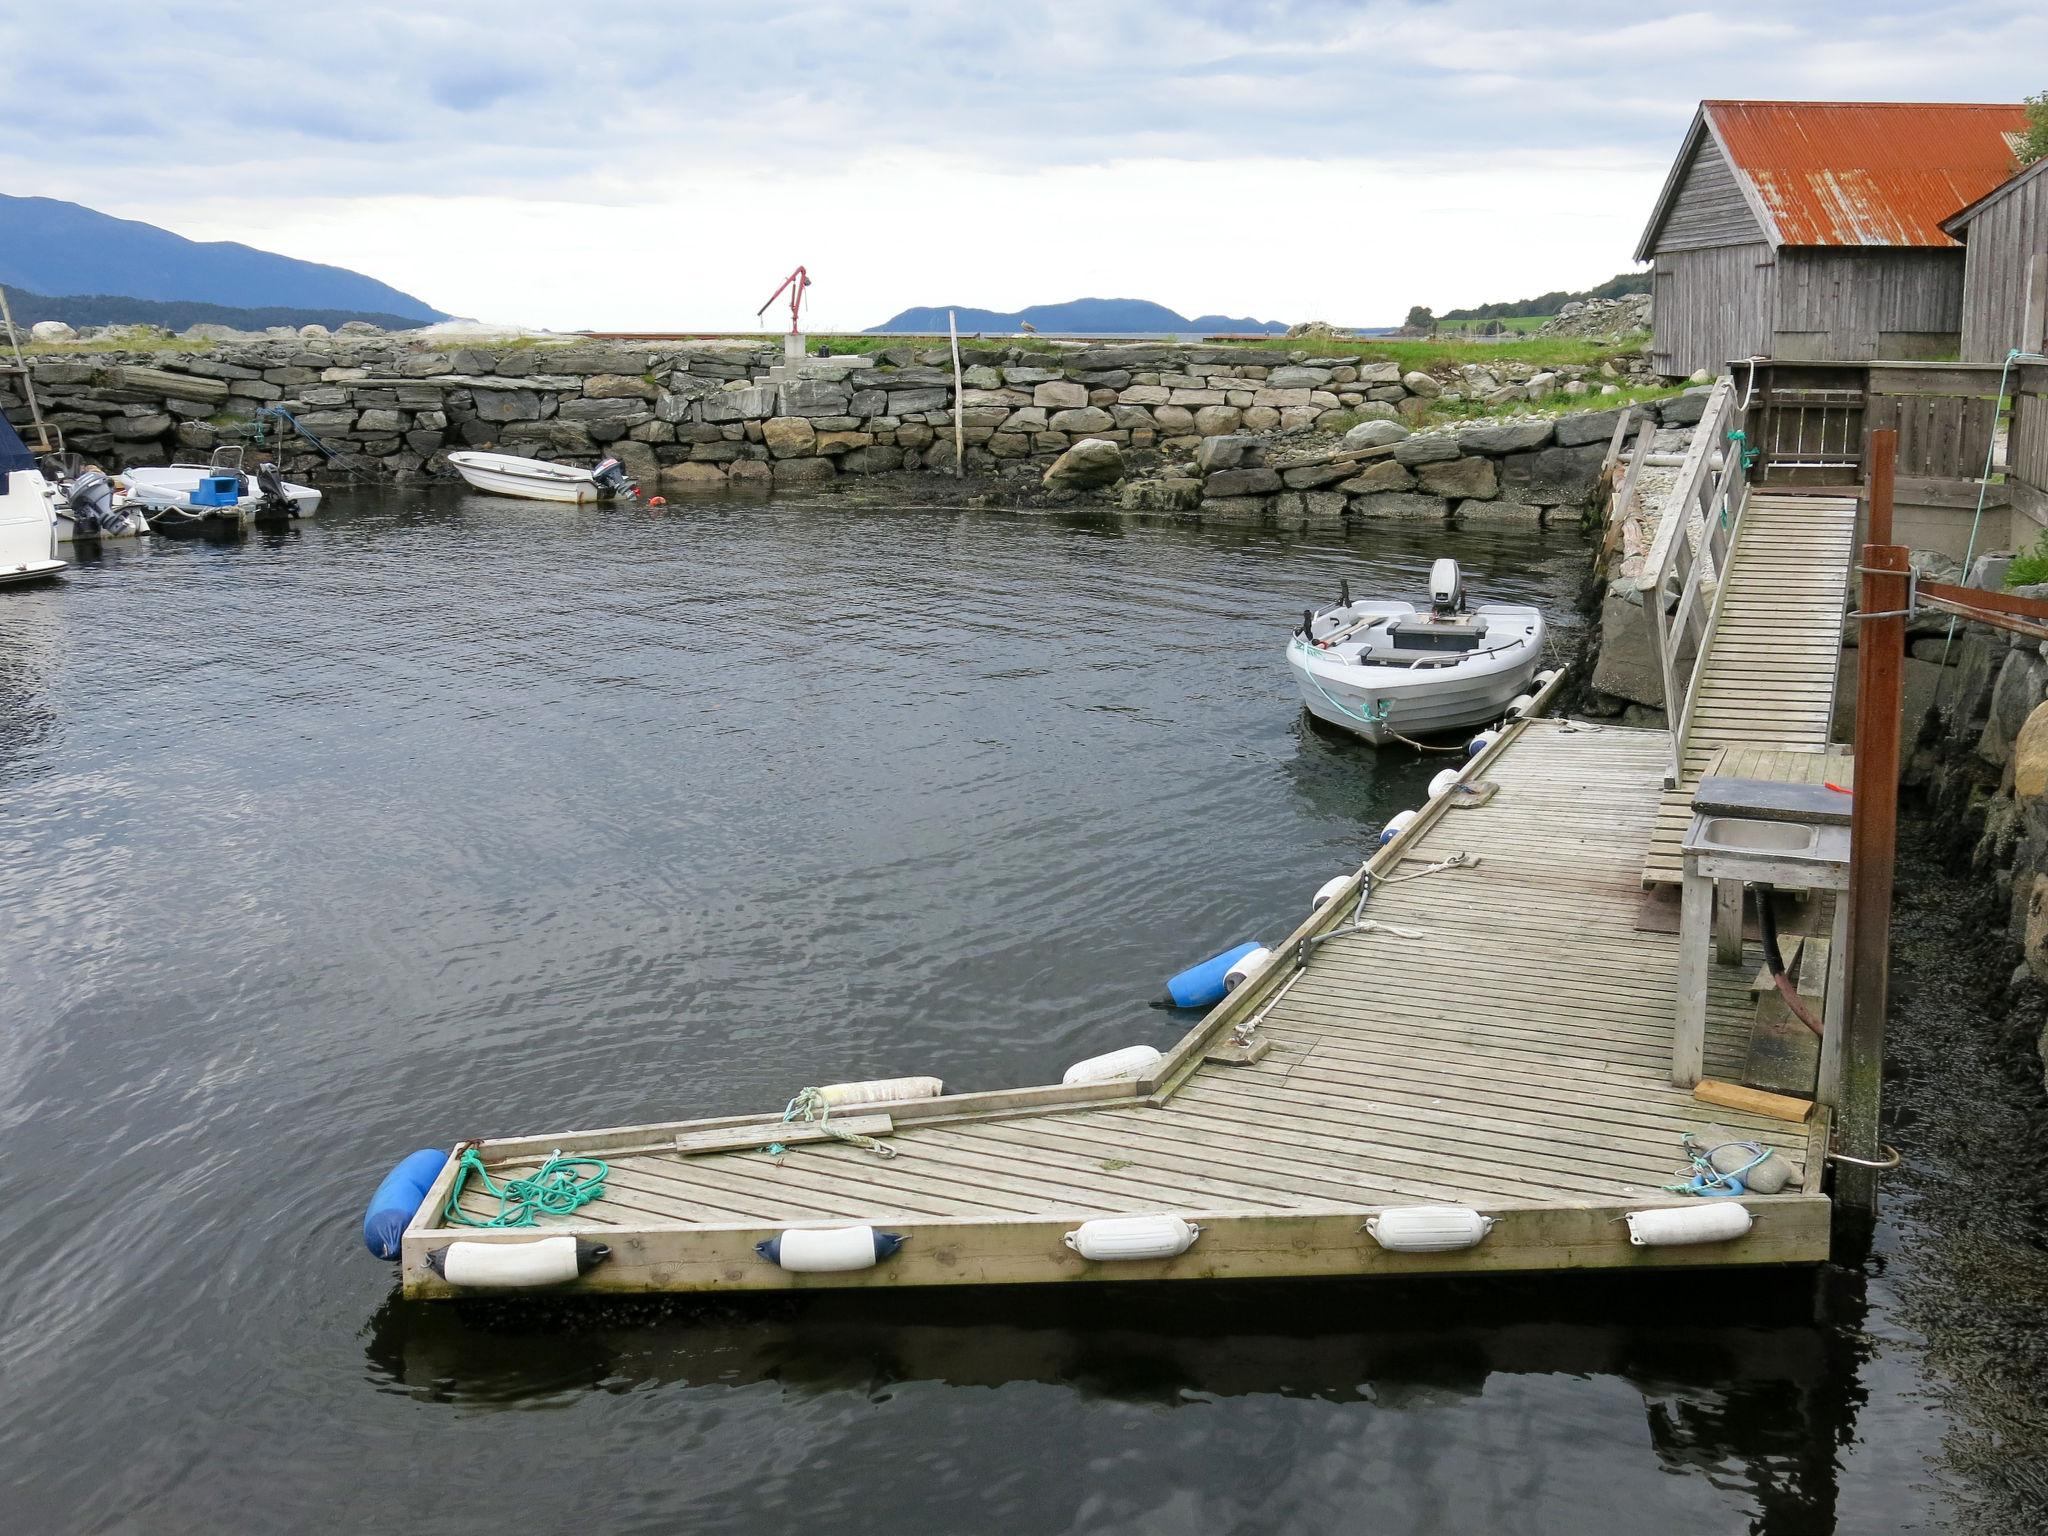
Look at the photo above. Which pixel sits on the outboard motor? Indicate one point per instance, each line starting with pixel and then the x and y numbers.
pixel 275 505
pixel 1446 589
pixel 613 481
pixel 90 496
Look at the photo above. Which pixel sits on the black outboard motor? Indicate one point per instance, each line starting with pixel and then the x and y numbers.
pixel 613 481
pixel 275 504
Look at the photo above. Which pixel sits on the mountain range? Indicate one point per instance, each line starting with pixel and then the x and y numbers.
pixel 1078 317
pixel 58 248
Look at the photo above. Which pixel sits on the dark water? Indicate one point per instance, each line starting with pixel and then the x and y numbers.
pixel 449 816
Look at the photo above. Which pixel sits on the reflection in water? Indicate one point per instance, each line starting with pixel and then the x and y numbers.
pixel 1748 1381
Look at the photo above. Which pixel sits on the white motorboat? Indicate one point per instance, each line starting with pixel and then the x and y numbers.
pixel 264 495
pixel 506 474
pixel 28 514
pixel 88 509
pixel 1384 670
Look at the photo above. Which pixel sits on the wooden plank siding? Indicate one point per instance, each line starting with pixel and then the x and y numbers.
pixel 2027 448
pixel 1709 210
pixel 1858 303
pixel 1711 306
pixel 2001 237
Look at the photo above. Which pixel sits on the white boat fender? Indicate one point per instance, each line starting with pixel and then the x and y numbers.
pixel 881 1090
pixel 517 1266
pixel 1131 1061
pixel 1710 1221
pixel 1110 1239
pixel 1546 677
pixel 1397 823
pixel 1428 1228
pixel 1246 968
pixel 1327 892
pixel 827 1250
pixel 1480 743
pixel 1441 784
pixel 1520 705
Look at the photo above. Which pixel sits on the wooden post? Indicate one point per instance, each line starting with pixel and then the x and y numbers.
pixel 1873 828
pixel 28 383
pixel 959 411
pixel 2034 328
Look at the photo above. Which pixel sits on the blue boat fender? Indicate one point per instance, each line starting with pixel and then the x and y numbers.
pixel 1202 986
pixel 398 1199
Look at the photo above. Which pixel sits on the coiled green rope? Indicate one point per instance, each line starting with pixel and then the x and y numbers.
pixel 556 1188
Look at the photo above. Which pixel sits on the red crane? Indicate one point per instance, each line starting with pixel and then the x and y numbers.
pixel 795 285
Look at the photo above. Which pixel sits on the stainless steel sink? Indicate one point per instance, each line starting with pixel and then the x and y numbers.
pixel 1738 834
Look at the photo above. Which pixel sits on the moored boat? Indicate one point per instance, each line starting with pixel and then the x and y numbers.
pixel 507 474
pixel 222 482
pixel 28 514
pixel 87 508
pixel 1385 671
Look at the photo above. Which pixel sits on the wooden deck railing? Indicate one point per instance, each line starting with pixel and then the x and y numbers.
pixel 1680 582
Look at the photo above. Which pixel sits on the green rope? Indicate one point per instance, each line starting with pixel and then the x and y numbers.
pixel 810 1108
pixel 556 1188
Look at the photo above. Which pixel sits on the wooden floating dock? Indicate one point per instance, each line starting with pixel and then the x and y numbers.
pixel 1501 1041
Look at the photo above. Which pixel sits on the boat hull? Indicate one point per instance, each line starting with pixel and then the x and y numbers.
pixel 1381 704
pixel 504 474
pixel 173 487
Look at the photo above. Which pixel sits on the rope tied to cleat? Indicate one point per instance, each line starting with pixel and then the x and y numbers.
pixel 561 1186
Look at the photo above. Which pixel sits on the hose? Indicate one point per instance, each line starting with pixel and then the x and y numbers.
pixel 1767 923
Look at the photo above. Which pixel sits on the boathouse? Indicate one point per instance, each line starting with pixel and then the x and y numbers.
pixel 1813 231
pixel 2005 267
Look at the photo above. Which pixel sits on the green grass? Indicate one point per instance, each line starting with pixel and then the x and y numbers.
pixel 2030 567
pixel 1557 400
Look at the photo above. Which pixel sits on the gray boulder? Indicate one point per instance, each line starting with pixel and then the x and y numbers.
pixel 1425 450
pixel 1089 465
pixel 51 330
pixel 1214 453
pixel 1505 437
pixel 1374 434
pixel 1421 384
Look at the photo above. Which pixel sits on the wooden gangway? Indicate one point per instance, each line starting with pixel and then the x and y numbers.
pixel 1498 1037
pixel 1745 591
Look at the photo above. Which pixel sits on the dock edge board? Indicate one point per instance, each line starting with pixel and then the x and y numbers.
pixel 1234 1245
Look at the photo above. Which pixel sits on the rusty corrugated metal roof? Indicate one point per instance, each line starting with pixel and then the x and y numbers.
pixel 1866 172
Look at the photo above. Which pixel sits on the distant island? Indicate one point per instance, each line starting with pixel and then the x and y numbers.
pixel 68 251
pixel 1080 317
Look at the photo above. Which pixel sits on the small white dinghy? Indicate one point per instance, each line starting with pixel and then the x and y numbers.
pixel 506 474
pixel 1383 670
pixel 208 487
pixel 28 514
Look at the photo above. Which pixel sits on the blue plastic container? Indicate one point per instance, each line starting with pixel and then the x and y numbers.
pixel 398 1198
pixel 217 491
pixel 1201 986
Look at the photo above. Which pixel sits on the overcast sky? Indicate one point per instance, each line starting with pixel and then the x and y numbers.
pixel 641 165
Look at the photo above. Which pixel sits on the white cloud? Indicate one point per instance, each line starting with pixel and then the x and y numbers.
pixel 657 164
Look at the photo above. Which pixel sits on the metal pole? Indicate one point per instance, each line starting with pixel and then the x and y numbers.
pixel 28 383
pixel 959 417
pixel 1873 829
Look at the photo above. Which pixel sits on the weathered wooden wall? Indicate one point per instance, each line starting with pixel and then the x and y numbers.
pixel 2027 450
pixel 1709 209
pixel 1712 305
pixel 1848 304
pixel 2003 237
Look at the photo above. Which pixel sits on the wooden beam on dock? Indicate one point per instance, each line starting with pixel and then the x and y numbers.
pixel 1873 828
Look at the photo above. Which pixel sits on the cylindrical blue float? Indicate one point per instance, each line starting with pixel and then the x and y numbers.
pixel 1201 986
pixel 397 1198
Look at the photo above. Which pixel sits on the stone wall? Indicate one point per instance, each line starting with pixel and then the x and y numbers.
pixel 1981 758
pixel 1520 467
pixel 711 416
